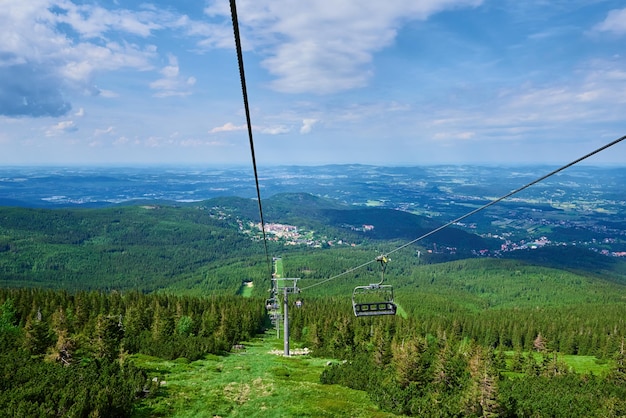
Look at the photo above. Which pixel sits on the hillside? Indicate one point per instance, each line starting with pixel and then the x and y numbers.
pixel 142 248
pixel 467 323
pixel 212 246
pixel 154 246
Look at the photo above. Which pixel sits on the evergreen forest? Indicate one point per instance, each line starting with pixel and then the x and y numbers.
pixel 87 295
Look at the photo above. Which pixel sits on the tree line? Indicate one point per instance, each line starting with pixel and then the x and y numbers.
pixel 408 371
pixel 67 354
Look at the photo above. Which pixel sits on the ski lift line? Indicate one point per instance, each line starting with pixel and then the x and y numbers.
pixel 339 275
pixel 244 91
pixel 467 215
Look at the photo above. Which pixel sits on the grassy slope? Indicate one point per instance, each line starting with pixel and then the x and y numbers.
pixel 257 383
pixel 579 364
pixel 250 383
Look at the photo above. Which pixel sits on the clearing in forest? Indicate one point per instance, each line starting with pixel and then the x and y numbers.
pixel 250 382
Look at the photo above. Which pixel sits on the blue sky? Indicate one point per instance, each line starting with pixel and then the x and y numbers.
pixel 405 82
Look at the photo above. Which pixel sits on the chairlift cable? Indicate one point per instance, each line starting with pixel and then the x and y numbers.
pixel 233 9
pixel 493 202
pixel 338 275
pixel 244 90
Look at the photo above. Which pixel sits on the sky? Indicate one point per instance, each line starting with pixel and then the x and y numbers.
pixel 397 82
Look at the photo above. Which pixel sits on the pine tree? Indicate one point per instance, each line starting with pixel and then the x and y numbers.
pixel 162 323
pixel 63 350
pixel 407 359
pixel 210 321
pixel 9 331
pixel 7 316
pixel 37 334
pixel 481 397
pixel 108 336
pixel 382 347
pixel 540 343
pixel 517 362
pixel 184 326
pixel 618 374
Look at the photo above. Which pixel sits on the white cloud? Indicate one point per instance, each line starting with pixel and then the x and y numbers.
pixel 51 47
pixel 191 143
pixel 464 136
pixel 109 94
pixel 227 127
pixel 122 140
pixel 100 132
pixel 172 83
pixel 218 144
pixel 80 112
pixel 615 22
pixel 272 130
pixel 93 21
pixel 324 46
pixel 153 142
pixel 61 127
pixel 268 130
pixel 307 125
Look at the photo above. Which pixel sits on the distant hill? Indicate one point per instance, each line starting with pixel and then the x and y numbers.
pixel 201 245
pixel 388 224
pixel 483 283
pixel 574 259
pixel 300 205
pixel 394 224
pixel 6 202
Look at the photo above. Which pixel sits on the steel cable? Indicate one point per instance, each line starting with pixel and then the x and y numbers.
pixel 459 219
pixel 244 90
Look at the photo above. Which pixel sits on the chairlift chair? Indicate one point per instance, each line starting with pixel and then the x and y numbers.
pixel 374 299
pixel 272 304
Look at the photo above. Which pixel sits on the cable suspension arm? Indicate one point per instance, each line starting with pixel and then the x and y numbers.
pixel 244 90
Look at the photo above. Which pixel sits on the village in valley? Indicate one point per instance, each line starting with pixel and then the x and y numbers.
pixel 292 235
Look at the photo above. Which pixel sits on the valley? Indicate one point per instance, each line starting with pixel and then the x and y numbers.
pixel 139 275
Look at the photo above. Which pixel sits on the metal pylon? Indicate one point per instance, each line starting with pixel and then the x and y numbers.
pixel 285 287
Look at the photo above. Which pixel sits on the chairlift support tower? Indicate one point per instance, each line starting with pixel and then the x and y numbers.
pixel 285 287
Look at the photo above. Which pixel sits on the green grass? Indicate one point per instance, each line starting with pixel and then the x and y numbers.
pixel 278 268
pixel 249 383
pixel 246 289
pixel 578 364
pixel 401 312
pixel 587 364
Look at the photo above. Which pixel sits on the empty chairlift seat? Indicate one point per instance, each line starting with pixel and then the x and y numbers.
pixel 373 300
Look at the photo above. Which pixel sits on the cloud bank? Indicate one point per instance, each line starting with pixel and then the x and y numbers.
pixel 325 46
pixel 51 49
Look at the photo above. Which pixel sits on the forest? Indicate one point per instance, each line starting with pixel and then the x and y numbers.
pixel 70 354
pixel 86 291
